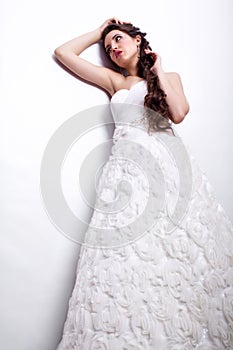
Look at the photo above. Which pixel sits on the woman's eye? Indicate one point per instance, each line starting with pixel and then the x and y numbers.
pixel 118 37
pixel 108 50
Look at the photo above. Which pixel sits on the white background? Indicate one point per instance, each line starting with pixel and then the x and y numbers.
pixel 37 263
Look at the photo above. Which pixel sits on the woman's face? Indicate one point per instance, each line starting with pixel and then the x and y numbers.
pixel 122 48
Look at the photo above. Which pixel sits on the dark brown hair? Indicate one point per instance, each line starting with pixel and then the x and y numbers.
pixel 155 98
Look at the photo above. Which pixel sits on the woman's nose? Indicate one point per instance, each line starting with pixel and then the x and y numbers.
pixel 114 46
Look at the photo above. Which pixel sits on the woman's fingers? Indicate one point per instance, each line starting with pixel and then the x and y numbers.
pixel 151 53
pixel 118 21
pixel 111 21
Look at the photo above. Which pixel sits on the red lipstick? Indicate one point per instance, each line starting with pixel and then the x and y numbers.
pixel 118 53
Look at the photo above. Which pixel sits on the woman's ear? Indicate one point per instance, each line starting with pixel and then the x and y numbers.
pixel 138 39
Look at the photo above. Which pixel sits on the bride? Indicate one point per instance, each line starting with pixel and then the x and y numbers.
pixel 169 286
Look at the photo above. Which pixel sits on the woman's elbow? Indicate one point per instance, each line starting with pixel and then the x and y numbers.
pixel 58 52
pixel 179 116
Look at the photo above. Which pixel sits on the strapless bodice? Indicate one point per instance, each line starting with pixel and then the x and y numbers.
pixel 127 105
pixel 155 267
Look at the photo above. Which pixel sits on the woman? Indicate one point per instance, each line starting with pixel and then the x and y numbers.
pixel 170 286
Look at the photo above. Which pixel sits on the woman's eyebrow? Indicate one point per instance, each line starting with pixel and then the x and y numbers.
pixel 113 37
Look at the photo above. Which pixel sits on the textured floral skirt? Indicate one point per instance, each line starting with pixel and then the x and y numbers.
pixel 155 271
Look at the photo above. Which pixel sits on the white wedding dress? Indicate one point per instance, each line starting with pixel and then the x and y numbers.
pixel 157 273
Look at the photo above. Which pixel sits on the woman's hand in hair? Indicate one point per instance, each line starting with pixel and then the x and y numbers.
pixel 112 20
pixel 157 66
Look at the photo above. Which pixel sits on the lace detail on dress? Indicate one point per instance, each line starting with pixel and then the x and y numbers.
pixel 166 290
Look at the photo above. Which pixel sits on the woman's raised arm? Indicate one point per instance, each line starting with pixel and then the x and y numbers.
pixel 69 52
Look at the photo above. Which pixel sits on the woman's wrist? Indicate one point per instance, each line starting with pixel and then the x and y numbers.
pixel 96 33
pixel 160 72
pixel 101 29
pixel 157 71
pixel 163 79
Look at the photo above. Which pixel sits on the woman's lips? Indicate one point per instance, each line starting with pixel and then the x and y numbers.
pixel 118 53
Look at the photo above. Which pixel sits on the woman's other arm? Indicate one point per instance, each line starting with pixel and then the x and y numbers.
pixel 173 88
pixel 176 99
